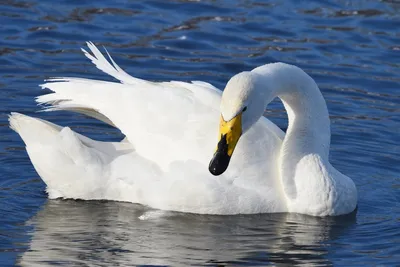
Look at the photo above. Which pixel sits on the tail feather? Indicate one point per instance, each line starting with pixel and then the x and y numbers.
pixel 32 130
pixel 61 156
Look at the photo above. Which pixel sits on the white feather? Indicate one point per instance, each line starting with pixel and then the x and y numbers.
pixel 171 132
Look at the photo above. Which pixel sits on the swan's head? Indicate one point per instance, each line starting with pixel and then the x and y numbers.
pixel 243 102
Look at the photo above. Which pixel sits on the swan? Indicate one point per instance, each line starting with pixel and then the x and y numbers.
pixel 189 147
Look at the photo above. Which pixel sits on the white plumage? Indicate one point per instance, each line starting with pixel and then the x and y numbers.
pixel 171 131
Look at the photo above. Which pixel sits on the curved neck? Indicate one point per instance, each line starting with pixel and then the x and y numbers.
pixel 308 121
pixel 309 125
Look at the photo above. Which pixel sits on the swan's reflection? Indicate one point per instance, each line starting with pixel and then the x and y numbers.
pixel 78 233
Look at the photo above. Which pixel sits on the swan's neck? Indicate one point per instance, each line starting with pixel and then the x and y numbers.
pixel 309 125
pixel 308 131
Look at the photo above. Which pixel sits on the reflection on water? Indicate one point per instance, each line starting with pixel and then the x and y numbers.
pixel 113 234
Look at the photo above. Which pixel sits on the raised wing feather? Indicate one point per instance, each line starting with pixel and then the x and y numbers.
pixel 168 122
pixel 165 121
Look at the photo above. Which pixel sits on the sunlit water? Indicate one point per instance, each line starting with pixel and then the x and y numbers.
pixel 352 50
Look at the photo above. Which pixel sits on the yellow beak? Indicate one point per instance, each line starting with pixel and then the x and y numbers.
pixel 229 134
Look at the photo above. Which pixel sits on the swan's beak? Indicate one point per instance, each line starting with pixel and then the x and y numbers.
pixel 229 132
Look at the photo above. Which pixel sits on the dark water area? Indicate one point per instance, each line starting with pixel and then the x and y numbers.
pixel 351 49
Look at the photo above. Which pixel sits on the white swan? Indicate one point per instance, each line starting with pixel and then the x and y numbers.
pixel 171 131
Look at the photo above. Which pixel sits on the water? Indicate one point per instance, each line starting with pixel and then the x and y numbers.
pixel 351 48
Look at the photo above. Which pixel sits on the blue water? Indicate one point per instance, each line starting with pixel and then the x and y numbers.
pixel 352 50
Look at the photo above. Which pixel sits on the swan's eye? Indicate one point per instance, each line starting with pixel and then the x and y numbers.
pixel 244 109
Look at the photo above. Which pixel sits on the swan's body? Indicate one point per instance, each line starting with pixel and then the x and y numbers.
pixel 171 133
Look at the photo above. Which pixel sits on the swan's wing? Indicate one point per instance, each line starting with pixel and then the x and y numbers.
pixel 165 122
pixel 174 125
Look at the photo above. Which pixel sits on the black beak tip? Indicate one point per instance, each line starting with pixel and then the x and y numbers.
pixel 219 163
pixel 215 170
